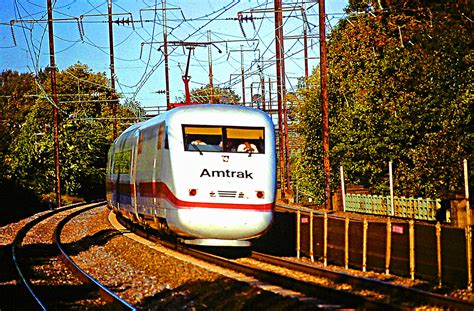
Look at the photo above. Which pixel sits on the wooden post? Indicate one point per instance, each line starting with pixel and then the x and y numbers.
pixel 325 251
pixel 468 228
pixel 392 209
pixel 439 253
pixel 343 190
pixel 364 245
pixel 298 233
pixel 388 246
pixel 412 247
pixel 311 250
pixel 346 243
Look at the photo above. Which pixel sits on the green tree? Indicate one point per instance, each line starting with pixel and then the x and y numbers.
pixel 16 99
pixel 85 134
pixel 400 89
pixel 219 95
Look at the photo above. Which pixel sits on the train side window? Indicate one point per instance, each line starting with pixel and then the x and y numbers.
pixel 140 142
pixel 166 141
pixel 161 131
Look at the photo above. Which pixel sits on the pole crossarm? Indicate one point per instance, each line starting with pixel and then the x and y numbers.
pixel 297 37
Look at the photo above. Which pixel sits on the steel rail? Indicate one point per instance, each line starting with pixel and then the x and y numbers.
pixel 342 299
pixel 21 234
pixel 114 300
pixel 107 294
pixel 382 286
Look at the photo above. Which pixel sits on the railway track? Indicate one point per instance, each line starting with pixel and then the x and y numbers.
pixel 40 266
pixel 396 294
pixel 318 296
pixel 383 294
pixel 55 291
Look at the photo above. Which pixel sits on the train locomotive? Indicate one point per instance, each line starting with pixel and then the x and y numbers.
pixel 205 172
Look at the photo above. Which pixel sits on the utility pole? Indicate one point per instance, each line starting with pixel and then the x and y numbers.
pixel 165 48
pixel 305 46
pixel 262 83
pixel 270 106
pixel 209 52
pixel 186 77
pixel 112 69
pixel 242 73
pixel 280 91
pixel 324 101
pixel 52 66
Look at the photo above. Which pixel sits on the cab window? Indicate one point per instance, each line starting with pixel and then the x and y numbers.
pixel 223 139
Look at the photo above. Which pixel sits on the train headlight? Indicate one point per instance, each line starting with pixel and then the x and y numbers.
pixel 260 194
pixel 212 194
pixel 192 192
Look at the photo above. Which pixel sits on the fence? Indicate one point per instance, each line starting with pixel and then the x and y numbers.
pixel 433 252
pixel 413 208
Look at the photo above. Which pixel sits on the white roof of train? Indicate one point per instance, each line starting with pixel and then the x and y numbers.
pixel 231 115
pixel 225 114
pixel 207 113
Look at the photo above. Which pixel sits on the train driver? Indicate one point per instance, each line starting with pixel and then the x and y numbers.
pixel 247 147
pixel 198 142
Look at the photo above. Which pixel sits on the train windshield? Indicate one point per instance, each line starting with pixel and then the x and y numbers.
pixel 203 138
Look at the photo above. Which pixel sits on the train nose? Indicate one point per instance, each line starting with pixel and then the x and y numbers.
pixel 214 223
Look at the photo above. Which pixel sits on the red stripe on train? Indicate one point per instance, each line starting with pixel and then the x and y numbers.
pixel 161 190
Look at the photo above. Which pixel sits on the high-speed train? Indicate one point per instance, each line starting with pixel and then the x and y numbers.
pixel 206 172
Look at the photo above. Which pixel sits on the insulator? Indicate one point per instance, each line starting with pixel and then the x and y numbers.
pixel 13 35
pixel 242 29
pixel 80 31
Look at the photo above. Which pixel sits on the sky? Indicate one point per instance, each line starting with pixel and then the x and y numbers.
pixel 81 35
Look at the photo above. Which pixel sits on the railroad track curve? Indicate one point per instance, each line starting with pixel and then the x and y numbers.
pixel 54 286
pixel 317 296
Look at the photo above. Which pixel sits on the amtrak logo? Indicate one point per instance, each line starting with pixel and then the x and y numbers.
pixel 226 174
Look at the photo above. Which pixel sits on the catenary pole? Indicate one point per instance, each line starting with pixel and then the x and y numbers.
pixel 112 68
pixel 55 100
pixel 278 59
pixel 209 52
pixel 242 72
pixel 324 101
pixel 165 48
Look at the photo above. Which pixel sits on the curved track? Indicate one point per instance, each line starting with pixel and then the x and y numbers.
pixel 320 296
pixel 58 289
pixel 395 293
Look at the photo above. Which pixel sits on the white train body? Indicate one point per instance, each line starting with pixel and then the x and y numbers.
pixel 182 168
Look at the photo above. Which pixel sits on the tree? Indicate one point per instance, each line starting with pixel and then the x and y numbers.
pixel 220 95
pixel 400 86
pixel 16 100
pixel 85 135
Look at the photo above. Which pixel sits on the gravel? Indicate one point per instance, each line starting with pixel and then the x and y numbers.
pixel 152 277
pixel 160 279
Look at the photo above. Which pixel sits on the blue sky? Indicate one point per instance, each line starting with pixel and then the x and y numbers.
pixel 138 64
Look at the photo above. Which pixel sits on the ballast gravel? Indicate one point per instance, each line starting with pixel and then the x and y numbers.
pixel 149 278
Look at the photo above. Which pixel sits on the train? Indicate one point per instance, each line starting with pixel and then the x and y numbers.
pixel 204 172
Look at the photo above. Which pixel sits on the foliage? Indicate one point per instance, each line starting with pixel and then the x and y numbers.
pixel 85 134
pixel 15 105
pixel 396 5
pixel 134 106
pixel 399 88
pixel 219 95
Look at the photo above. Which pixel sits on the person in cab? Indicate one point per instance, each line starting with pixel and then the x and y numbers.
pixel 247 147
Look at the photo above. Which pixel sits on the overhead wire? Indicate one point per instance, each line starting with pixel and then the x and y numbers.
pixel 196 27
